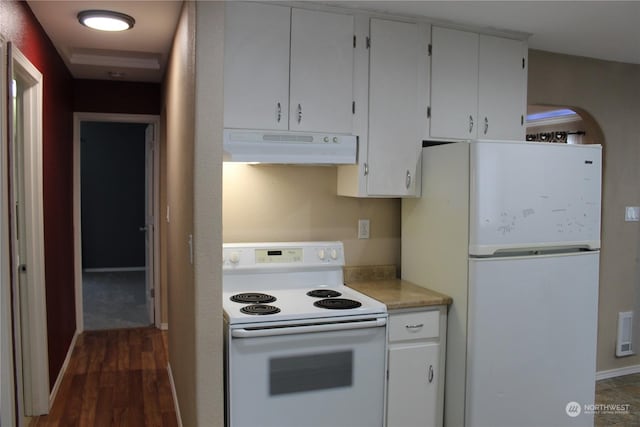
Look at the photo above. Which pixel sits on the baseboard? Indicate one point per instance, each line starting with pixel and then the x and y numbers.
pixel 164 326
pixel 112 269
pixel 63 369
pixel 611 373
pixel 174 394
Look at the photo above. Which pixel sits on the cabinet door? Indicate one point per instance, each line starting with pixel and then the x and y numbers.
pixel 413 385
pixel 502 89
pixel 397 107
pixel 454 83
pixel 256 66
pixel 321 71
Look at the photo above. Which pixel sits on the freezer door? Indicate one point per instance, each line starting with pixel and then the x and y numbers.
pixel 531 195
pixel 532 340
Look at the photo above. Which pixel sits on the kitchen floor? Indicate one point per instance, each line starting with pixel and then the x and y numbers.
pixel 618 391
pixel 115 378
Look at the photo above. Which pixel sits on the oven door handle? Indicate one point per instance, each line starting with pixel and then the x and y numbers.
pixel 290 330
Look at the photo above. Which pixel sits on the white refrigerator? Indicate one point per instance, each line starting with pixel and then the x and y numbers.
pixel 511 231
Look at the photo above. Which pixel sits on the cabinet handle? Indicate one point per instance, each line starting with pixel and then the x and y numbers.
pixel 470 123
pixel 430 373
pixel 366 169
pixel 278 112
pixel 418 326
pixel 299 113
pixel 486 125
pixel 408 180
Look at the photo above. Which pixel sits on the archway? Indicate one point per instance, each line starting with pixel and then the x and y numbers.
pixel 564 124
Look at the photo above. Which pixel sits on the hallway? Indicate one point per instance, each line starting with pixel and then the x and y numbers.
pixel 115 378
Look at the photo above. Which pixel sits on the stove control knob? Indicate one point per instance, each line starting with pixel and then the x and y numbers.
pixel 334 254
pixel 234 257
pixel 321 254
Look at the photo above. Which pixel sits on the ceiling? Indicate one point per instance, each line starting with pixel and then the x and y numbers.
pixel 597 29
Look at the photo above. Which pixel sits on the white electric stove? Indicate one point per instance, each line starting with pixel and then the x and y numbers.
pixel 296 336
pixel 278 282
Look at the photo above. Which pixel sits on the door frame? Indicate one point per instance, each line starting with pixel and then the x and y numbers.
pixel 29 294
pixel 7 385
pixel 153 120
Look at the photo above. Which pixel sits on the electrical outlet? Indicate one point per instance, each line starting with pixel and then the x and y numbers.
pixel 632 213
pixel 363 229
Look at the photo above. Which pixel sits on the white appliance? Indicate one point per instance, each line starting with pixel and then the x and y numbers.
pixel 302 349
pixel 511 230
pixel 284 147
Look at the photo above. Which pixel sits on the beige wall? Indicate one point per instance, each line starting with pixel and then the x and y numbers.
pixel 609 93
pixel 193 161
pixel 296 203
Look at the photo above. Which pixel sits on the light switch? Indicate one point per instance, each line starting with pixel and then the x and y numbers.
pixel 363 229
pixel 632 213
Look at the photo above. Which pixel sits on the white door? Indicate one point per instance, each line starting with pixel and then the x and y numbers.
pixel 531 339
pixel 454 83
pixel 7 381
pixel 27 238
pixel 526 195
pixel 397 106
pixel 502 88
pixel 413 385
pixel 256 66
pixel 321 71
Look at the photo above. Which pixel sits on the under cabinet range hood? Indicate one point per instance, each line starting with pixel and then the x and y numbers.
pixel 257 146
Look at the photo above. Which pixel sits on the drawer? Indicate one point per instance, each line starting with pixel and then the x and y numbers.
pixel 414 326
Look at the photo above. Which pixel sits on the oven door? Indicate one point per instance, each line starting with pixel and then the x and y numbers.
pixel 322 375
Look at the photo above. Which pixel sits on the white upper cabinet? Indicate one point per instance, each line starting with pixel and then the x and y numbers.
pixel 287 69
pixel 478 86
pixel 256 66
pixel 321 72
pixel 391 86
pixel 397 107
pixel 502 88
pixel 454 83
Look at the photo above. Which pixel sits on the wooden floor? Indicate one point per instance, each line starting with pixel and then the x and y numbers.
pixel 115 378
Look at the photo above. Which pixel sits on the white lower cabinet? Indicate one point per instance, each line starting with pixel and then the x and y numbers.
pixel 416 367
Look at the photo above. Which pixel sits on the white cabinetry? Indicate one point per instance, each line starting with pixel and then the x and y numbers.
pixel 391 133
pixel 321 72
pixel 478 86
pixel 287 69
pixel 415 368
pixel 454 83
pixel 502 88
pixel 256 66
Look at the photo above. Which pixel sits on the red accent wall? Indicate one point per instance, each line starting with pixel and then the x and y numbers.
pixel 19 26
pixel 106 96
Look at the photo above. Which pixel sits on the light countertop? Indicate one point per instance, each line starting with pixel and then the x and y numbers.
pixel 397 293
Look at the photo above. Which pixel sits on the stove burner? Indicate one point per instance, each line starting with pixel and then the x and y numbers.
pixel 252 298
pixel 259 309
pixel 324 293
pixel 337 303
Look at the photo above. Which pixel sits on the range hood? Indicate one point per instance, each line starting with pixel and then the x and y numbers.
pixel 283 147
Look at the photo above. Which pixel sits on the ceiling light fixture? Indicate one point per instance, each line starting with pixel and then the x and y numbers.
pixel 106 20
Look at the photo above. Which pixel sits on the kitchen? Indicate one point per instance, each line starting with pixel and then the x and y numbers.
pixel 311 185
pixel 250 210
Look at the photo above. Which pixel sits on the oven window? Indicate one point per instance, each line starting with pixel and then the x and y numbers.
pixel 312 372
